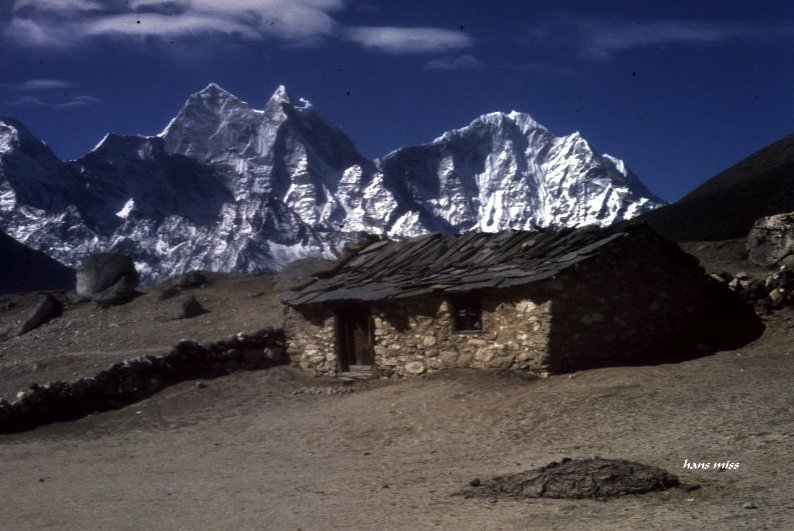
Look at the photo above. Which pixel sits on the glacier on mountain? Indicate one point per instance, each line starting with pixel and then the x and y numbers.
pixel 227 187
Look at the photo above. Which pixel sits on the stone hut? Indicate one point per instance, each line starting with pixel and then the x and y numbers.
pixel 554 300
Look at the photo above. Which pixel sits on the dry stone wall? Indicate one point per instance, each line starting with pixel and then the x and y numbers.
pixel 135 379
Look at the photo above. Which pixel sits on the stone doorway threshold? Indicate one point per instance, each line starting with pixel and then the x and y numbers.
pixel 360 372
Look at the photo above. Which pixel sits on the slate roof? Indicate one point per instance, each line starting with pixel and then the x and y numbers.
pixel 435 263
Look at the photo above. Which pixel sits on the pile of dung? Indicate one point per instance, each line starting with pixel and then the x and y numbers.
pixel 575 478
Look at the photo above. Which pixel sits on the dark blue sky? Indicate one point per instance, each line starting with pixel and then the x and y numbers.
pixel 679 90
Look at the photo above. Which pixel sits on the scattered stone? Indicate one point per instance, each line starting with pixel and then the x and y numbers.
pixel 47 308
pixel 749 505
pixel 185 307
pixel 576 478
pixel 327 390
pixel 107 278
pixel 276 355
pixel 201 385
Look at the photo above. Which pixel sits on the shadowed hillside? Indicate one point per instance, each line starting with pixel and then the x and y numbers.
pixel 23 269
pixel 725 206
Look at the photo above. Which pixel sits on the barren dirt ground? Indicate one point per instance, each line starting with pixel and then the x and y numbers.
pixel 251 451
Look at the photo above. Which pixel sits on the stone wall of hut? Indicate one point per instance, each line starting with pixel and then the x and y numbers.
pixel 311 339
pixel 627 307
pixel 416 336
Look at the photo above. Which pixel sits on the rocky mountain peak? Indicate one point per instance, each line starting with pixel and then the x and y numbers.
pixel 228 187
pixel 280 96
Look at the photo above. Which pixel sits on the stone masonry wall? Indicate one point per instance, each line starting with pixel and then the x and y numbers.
pixel 311 339
pixel 415 336
pixel 623 307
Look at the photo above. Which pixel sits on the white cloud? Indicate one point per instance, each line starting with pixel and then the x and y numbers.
pixel 464 62
pixel 59 5
pixel 408 40
pixel 154 24
pixel 39 85
pixel 73 21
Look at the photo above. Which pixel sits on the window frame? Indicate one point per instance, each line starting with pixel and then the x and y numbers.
pixel 466 313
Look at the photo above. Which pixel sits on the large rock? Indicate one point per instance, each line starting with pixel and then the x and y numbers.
pixel 45 309
pixel 107 278
pixel 771 241
pixel 186 307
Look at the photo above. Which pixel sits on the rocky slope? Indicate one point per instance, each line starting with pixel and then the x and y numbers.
pixel 228 187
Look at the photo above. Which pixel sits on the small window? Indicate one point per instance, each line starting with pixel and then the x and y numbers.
pixel 467 314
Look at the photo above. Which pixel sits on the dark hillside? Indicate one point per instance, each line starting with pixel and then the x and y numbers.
pixel 23 269
pixel 725 206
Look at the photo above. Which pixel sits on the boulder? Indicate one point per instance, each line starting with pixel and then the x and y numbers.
pixel 107 278
pixel 771 241
pixel 45 309
pixel 186 307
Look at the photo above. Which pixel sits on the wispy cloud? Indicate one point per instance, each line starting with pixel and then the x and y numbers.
pixel 68 6
pixel 396 40
pixel 63 23
pixel 39 85
pixel 26 101
pixel 603 38
pixel 78 102
pixel 67 23
pixel 464 62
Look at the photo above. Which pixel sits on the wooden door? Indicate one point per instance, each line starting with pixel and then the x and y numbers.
pixel 354 337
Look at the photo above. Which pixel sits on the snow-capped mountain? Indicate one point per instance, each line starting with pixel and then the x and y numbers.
pixel 229 187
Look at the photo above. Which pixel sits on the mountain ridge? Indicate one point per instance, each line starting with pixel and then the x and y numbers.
pixel 228 187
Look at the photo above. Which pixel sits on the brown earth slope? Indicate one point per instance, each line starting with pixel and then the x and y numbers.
pixel 277 449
